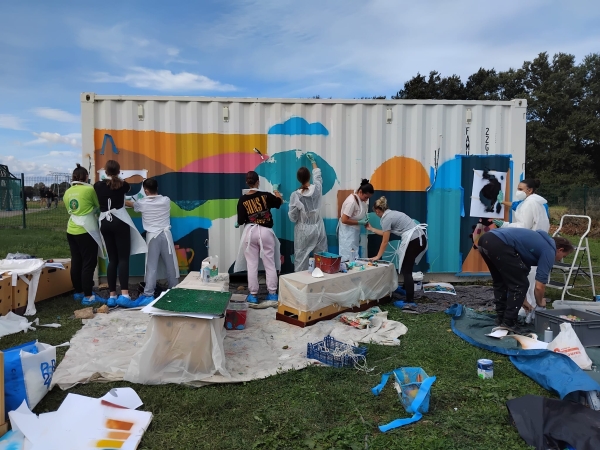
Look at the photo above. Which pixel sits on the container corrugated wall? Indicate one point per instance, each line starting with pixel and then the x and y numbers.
pixel 419 154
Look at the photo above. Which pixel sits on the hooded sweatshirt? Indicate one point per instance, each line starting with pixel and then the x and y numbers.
pixel 536 248
pixel 531 214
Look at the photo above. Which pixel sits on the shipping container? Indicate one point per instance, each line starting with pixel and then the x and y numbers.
pixel 422 155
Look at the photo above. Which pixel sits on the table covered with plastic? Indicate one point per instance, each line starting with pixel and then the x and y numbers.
pixel 304 292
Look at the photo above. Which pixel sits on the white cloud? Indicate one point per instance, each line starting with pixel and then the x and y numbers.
pixel 73 139
pixel 11 122
pixel 164 80
pixel 56 114
pixel 117 45
pixel 40 166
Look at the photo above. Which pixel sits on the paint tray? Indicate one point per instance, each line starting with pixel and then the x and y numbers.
pixel 194 301
pixel 328 262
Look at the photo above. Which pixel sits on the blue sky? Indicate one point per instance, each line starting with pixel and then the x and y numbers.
pixel 50 52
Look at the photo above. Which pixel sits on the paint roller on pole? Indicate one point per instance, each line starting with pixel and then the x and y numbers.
pixel 259 153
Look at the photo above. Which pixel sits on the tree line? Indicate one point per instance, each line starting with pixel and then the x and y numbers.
pixel 563 110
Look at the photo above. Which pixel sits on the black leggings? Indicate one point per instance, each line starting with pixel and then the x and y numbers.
pixel 118 244
pixel 509 275
pixel 414 249
pixel 84 257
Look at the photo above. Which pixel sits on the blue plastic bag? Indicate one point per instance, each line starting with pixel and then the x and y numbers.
pixel 413 386
pixel 14 379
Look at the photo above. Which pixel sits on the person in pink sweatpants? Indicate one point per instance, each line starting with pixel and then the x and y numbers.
pixel 258 238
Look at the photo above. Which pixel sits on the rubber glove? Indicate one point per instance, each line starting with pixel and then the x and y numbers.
pixel 310 157
pixel 364 221
pixel 500 197
pixel 236 225
pixel 498 223
pixel 276 187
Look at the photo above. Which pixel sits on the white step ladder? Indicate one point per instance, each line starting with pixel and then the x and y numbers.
pixel 574 269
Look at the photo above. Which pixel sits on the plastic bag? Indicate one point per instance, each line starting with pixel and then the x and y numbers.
pixel 19 256
pixel 413 386
pixel 28 371
pixel 567 342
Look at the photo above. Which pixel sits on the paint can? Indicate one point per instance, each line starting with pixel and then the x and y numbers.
pixel 548 335
pixel 311 265
pixel 418 281
pixel 485 368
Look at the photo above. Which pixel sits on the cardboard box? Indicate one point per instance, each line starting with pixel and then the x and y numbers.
pixel 54 282
pixel 5 295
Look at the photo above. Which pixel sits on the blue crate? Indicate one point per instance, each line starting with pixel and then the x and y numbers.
pixel 319 351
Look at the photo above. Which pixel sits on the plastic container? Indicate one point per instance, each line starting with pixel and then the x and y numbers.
pixel 311 265
pixel 321 351
pixel 408 381
pixel 328 262
pixel 235 315
pixel 588 330
pixel 418 280
pixel 485 369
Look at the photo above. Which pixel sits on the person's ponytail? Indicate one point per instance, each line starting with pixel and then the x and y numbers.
pixel 112 169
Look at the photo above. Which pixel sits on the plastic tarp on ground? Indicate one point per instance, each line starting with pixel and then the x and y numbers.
pixel 301 291
pixel 108 348
pixel 553 371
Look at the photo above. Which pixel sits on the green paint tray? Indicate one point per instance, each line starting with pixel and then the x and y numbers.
pixel 194 301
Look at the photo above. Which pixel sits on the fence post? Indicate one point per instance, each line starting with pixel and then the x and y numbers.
pixel 24 202
pixel 585 191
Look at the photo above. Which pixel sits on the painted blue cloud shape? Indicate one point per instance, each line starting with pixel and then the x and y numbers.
pixel 298 125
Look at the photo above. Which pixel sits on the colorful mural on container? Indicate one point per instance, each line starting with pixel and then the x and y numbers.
pixel 203 175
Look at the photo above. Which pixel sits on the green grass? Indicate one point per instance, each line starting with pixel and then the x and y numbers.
pixel 38 218
pixel 317 407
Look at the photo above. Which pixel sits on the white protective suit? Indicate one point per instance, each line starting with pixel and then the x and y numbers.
pixel 531 214
pixel 309 229
pixel 349 235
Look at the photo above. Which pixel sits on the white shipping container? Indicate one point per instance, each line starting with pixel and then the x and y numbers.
pixel 421 154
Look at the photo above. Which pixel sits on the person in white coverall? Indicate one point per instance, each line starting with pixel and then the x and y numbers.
pixel 304 212
pixel 531 214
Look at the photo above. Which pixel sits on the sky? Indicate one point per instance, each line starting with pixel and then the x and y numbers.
pixel 50 52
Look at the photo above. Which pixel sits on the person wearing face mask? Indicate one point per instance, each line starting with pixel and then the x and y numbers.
pixel 531 213
pixel 353 215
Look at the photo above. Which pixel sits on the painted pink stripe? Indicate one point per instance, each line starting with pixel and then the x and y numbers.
pixel 228 163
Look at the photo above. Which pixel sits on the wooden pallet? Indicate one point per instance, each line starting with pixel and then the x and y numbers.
pixel 303 319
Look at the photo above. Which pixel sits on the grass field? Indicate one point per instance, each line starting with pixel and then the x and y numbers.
pixel 317 407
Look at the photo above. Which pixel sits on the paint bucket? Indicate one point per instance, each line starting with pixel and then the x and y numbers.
pixel 418 280
pixel 328 262
pixel 235 315
pixel 485 368
pixel 311 264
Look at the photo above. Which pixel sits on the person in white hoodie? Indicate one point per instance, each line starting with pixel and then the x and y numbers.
pixel 531 213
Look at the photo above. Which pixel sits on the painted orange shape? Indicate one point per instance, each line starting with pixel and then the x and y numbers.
pixel 400 174
pixel 113 424
pixel 118 435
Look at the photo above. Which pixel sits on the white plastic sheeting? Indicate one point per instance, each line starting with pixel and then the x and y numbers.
pixel 104 348
pixel 303 292
pixel 19 268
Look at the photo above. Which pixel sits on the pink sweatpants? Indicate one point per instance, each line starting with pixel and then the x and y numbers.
pixel 252 253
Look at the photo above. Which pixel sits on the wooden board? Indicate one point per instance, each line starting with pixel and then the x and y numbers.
pixel 3 423
pixel 306 318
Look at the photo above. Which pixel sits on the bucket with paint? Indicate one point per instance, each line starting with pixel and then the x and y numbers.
pixel 418 280
pixel 311 264
pixel 485 369
pixel 328 262
pixel 235 315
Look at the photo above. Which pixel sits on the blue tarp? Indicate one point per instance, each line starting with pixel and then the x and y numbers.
pixel 553 371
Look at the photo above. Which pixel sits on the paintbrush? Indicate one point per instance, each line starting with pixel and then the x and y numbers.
pixel 259 153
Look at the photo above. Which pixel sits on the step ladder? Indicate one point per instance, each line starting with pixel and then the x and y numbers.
pixel 570 271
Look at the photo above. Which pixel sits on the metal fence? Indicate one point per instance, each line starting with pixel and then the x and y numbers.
pixel 36 202
pixel 572 199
